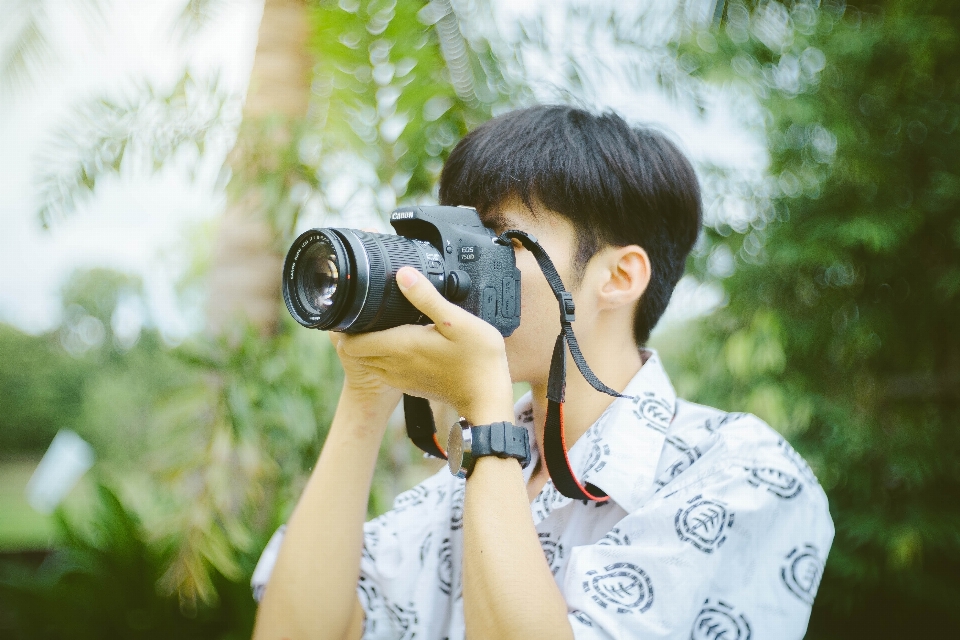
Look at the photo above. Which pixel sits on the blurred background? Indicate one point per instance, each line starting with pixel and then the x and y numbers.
pixel 157 159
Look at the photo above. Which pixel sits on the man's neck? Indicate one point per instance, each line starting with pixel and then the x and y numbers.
pixel 613 363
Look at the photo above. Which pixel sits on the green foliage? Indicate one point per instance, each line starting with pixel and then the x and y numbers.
pixel 233 449
pixel 399 85
pixel 386 111
pixel 211 441
pixel 21 527
pixel 840 326
pixel 101 583
pixel 99 291
pixel 83 377
pixel 40 386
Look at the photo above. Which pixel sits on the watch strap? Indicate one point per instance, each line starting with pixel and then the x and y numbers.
pixel 501 439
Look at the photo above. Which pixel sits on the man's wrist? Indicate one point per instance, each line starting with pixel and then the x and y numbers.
pixel 493 402
pixel 366 411
pixel 490 409
pixel 494 464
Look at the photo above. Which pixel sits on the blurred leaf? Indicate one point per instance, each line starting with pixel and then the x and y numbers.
pixel 138 133
pixel 398 85
pixel 102 583
pixel 29 50
pixel 197 15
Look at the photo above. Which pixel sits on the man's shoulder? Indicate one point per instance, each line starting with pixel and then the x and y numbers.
pixel 751 444
pixel 691 417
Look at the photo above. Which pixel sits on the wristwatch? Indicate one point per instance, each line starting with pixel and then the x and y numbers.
pixel 466 443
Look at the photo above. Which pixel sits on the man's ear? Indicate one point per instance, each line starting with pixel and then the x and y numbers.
pixel 625 275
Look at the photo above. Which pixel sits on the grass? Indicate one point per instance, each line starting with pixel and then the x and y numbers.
pixel 21 527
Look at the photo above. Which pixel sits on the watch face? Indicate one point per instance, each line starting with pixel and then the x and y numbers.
pixel 455 450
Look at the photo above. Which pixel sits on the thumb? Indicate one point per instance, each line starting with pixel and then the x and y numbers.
pixel 424 296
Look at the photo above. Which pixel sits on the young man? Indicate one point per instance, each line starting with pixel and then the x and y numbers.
pixel 715 528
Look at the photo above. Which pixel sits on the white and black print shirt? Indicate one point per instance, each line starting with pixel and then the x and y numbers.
pixel 716 529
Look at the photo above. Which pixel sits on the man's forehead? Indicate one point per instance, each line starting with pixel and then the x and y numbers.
pixel 516 215
pixel 513 213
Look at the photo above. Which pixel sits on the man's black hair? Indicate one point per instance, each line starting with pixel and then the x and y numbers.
pixel 617 184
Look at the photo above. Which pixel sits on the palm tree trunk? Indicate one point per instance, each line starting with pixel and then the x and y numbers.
pixel 245 273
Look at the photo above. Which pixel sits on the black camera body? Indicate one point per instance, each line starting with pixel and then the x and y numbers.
pixel 491 288
pixel 345 279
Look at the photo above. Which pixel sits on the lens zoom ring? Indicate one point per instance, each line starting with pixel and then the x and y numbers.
pixel 378 271
pixel 385 306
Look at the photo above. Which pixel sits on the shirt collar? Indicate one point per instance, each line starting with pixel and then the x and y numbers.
pixel 620 451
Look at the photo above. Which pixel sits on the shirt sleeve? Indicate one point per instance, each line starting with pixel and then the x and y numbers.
pixel 408 575
pixel 407 572
pixel 268 559
pixel 734 555
pixel 383 618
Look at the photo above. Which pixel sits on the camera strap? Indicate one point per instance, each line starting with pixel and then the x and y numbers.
pixel 420 424
pixel 554 438
pixel 421 427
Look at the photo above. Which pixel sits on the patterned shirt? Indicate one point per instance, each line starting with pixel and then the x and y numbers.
pixel 716 529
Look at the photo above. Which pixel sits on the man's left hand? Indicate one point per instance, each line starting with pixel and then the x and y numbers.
pixel 459 359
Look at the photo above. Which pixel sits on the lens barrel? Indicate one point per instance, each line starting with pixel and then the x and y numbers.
pixel 345 279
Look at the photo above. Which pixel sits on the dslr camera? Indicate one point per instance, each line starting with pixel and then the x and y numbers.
pixel 345 279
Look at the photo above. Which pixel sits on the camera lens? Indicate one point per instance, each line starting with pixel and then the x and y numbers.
pixel 317 279
pixel 345 279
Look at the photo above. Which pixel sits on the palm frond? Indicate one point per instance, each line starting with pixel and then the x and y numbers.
pixel 196 16
pixel 249 425
pixel 639 41
pixel 141 133
pixel 25 47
